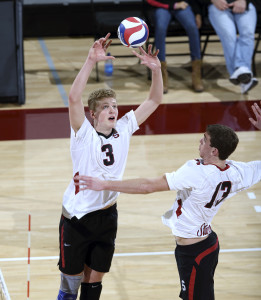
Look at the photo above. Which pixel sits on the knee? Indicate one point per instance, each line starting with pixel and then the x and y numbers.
pixel 192 28
pixel 247 34
pixel 92 277
pixel 70 284
pixel 227 36
pixel 160 30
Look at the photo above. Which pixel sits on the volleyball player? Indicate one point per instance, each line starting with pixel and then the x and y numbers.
pixel 88 224
pixel 202 186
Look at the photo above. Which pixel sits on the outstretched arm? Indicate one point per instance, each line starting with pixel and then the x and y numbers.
pixel 257 111
pixel 156 90
pixel 76 107
pixel 131 186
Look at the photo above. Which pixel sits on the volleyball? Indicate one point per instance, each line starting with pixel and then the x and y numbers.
pixel 133 32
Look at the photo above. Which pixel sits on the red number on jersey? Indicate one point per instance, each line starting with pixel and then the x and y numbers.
pixel 222 186
pixel 178 211
pixel 77 187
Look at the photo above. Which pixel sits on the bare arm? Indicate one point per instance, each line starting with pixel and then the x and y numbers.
pixel 257 111
pixel 76 107
pixel 156 90
pixel 131 186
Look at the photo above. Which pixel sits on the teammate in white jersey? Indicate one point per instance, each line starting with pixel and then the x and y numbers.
pixel 202 186
pixel 88 223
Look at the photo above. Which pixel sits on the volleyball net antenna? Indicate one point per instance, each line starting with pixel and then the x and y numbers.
pixel 4 295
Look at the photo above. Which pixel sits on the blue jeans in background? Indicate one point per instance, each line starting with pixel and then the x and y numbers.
pixel 238 50
pixel 186 18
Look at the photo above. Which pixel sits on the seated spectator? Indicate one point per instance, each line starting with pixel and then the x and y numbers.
pixel 188 15
pixel 235 22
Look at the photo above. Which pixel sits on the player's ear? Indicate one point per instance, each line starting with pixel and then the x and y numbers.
pixel 92 114
pixel 215 152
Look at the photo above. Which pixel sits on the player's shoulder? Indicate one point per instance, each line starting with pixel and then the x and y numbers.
pixel 195 162
pixel 197 166
pixel 193 167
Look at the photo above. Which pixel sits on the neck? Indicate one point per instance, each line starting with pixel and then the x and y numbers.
pixel 103 130
pixel 220 163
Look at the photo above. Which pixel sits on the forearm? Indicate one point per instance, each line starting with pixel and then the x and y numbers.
pixel 80 81
pixel 131 186
pixel 156 89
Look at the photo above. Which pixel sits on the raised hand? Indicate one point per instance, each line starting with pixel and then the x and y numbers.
pixel 148 59
pixel 98 50
pixel 257 111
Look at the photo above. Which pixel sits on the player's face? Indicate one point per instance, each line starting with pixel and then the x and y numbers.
pixel 106 114
pixel 205 149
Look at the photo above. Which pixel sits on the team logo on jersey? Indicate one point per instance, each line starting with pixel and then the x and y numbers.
pixel 116 135
pixel 204 230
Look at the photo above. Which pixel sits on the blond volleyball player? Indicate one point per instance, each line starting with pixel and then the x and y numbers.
pixel 88 224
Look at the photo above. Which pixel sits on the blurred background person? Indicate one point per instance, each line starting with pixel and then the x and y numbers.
pixel 188 14
pixel 235 22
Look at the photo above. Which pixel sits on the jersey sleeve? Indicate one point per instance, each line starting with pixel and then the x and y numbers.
pixel 250 173
pixel 128 120
pixel 189 176
pixel 78 139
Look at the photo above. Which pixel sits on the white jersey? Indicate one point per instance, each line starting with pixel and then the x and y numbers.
pixel 201 189
pixel 94 154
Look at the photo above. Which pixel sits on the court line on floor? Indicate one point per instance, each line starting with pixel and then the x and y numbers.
pixel 54 72
pixel 129 254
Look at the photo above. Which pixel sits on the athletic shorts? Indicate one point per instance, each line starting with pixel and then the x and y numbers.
pixel 196 265
pixel 89 240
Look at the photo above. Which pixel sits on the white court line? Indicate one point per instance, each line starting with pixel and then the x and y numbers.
pixel 251 195
pixel 257 208
pixel 4 287
pixel 129 254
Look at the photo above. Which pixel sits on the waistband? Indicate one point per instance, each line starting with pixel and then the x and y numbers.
pixel 94 213
pixel 209 241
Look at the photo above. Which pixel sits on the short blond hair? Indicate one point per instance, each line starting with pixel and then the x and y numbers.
pixel 98 95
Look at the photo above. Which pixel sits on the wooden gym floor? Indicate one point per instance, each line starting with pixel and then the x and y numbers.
pixel 36 168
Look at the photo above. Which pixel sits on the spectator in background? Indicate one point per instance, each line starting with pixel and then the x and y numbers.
pixel 229 18
pixel 188 15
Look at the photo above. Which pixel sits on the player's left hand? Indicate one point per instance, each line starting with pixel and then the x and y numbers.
pixel 88 183
pixel 98 50
pixel 148 59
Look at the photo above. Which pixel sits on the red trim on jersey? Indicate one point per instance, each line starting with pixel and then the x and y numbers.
pixel 226 167
pixel 194 272
pixel 202 162
pixel 62 246
pixel 77 187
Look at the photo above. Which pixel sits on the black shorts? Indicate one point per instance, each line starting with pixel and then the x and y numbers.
pixel 89 240
pixel 196 265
